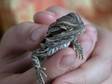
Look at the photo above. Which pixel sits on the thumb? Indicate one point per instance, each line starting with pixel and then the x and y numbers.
pixel 22 37
pixel 97 68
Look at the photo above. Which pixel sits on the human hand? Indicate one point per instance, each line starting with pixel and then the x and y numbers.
pixel 15 53
pixel 97 69
pixel 16 41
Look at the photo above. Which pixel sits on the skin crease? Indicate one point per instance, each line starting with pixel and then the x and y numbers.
pixel 15 58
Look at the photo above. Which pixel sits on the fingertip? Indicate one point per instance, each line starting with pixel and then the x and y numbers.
pixel 45 17
pixel 55 67
pixel 22 37
pixel 58 11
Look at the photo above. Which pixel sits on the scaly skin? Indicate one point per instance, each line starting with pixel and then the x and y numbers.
pixel 61 34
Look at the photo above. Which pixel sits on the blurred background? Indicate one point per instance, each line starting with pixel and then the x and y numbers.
pixel 12 12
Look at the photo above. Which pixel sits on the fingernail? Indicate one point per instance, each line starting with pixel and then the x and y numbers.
pixel 87 45
pixel 67 60
pixel 45 17
pixel 38 33
pixel 50 13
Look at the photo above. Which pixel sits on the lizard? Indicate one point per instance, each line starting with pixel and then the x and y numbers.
pixel 61 34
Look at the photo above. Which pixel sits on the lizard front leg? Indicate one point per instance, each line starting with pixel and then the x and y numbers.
pixel 78 49
pixel 40 74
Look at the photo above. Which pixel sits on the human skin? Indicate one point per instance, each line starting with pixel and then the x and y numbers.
pixel 15 56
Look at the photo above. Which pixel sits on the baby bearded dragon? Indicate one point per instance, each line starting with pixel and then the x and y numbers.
pixel 61 34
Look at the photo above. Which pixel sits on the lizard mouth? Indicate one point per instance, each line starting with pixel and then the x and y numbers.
pixel 70 45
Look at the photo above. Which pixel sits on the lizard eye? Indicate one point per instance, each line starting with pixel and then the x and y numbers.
pixel 57 32
pixel 63 28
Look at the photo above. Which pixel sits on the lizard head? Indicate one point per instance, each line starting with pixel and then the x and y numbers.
pixel 70 22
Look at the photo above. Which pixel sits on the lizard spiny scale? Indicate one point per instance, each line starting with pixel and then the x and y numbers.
pixel 61 34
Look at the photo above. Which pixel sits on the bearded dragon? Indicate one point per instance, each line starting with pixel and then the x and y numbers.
pixel 61 34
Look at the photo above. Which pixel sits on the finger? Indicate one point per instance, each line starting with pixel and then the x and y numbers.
pixel 25 78
pixel 95 70
pixel 50 15
pixel 18 65
pixel 58 11
pixel 23 37
pixel 59 63
pixel 103 45
pixel 44 17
